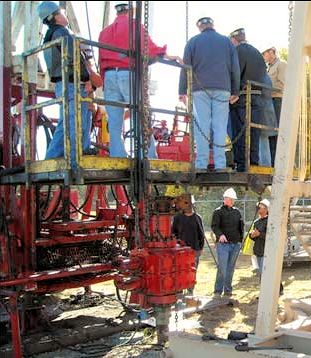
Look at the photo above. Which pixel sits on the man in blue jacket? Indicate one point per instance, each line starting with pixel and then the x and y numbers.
pixel 216 81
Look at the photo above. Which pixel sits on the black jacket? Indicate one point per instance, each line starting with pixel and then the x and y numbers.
pixel 252 64
pixel 259 245
pixel 190 230
pixel 228 221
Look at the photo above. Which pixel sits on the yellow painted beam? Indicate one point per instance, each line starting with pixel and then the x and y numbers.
pixel 48 165
pixel 169 165
pixel 254 169
pixel 93 162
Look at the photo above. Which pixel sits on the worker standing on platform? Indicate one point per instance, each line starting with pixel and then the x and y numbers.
pixel 253 68
pixel 216 81
pixel 114 68
pixel 188 227
pixel 277 72
pixel 54 17
pixel 228 226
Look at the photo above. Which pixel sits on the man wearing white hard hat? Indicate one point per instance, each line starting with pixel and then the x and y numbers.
pixel 258 234
pixel 228 226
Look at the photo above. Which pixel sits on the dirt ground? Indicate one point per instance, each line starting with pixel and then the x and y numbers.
pixel 220 321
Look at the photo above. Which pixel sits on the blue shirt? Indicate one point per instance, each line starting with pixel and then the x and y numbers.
pixel 214 61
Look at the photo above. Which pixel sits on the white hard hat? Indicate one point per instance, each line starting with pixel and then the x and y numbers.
pixel 265 202
pixel 230 193
pixel 46 9
pixel 267 48
pixel 121 5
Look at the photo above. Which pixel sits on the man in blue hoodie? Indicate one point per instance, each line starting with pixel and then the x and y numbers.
pixel 216 81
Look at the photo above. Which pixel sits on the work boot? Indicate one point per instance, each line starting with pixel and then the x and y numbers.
pixel 228 294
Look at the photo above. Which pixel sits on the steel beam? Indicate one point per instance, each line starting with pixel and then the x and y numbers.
pixel 283 188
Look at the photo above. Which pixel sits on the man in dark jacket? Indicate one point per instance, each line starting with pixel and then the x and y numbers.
pixel 188 227
pixel 228 226
pixel 54 17
pixel 216 81
pixel 253 68
pixel 258 234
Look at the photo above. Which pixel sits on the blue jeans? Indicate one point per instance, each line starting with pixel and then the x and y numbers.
pixel 238 115
pixel 117 88
pixel 264 149
pixel 227 255
pixel 211 110
pixel 56 146
pixel 260 263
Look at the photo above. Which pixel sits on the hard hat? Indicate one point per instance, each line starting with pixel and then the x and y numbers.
pixel 46 9
pixel 237 32
pixel 121 5
pixel 265 49
pixel 205 20
pixel 230 193
pixel 174 191
pixel 265 202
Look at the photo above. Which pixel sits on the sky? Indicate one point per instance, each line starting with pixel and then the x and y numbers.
pixel 266 25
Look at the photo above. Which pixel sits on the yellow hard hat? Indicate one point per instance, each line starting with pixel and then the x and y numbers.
pixel 174 191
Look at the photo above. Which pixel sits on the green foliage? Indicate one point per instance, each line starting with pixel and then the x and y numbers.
pixel 283 54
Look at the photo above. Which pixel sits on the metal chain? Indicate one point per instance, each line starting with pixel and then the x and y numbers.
pixel 210 141
pixel 146 125
pixel 176 316
pixel 146 120
pixel 289 254
pixel 290 19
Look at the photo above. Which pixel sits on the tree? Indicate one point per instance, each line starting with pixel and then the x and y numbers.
pixel 283 54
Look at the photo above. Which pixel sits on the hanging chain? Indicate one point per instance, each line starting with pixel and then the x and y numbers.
pixel 176 315
pixel 187 21
pixel 146 120
pixel 146 125
pixel 210 141
pixel 290 19
pixel 289 254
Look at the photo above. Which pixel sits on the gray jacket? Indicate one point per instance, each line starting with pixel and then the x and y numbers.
pixel 52 55
pixel 214 61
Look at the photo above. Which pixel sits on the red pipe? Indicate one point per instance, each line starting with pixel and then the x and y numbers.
pixel 16 338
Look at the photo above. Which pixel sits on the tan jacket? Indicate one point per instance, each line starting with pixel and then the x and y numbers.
pixel 277 72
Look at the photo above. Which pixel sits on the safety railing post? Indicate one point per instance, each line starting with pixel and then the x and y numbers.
pixel 248 119
pixel 25 117
pixel 77 101
pixel 191 122
pixel 65 101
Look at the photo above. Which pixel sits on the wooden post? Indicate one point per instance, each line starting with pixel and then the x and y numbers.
pixel 283 188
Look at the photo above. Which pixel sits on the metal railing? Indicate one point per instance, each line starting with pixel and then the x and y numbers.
pixel 249 91
pixel 30 110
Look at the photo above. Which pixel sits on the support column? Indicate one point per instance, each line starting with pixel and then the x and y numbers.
pixel 282 181
pixel 5 84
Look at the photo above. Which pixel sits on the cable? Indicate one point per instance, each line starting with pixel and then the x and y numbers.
pixel 89 30
pixel 81 212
